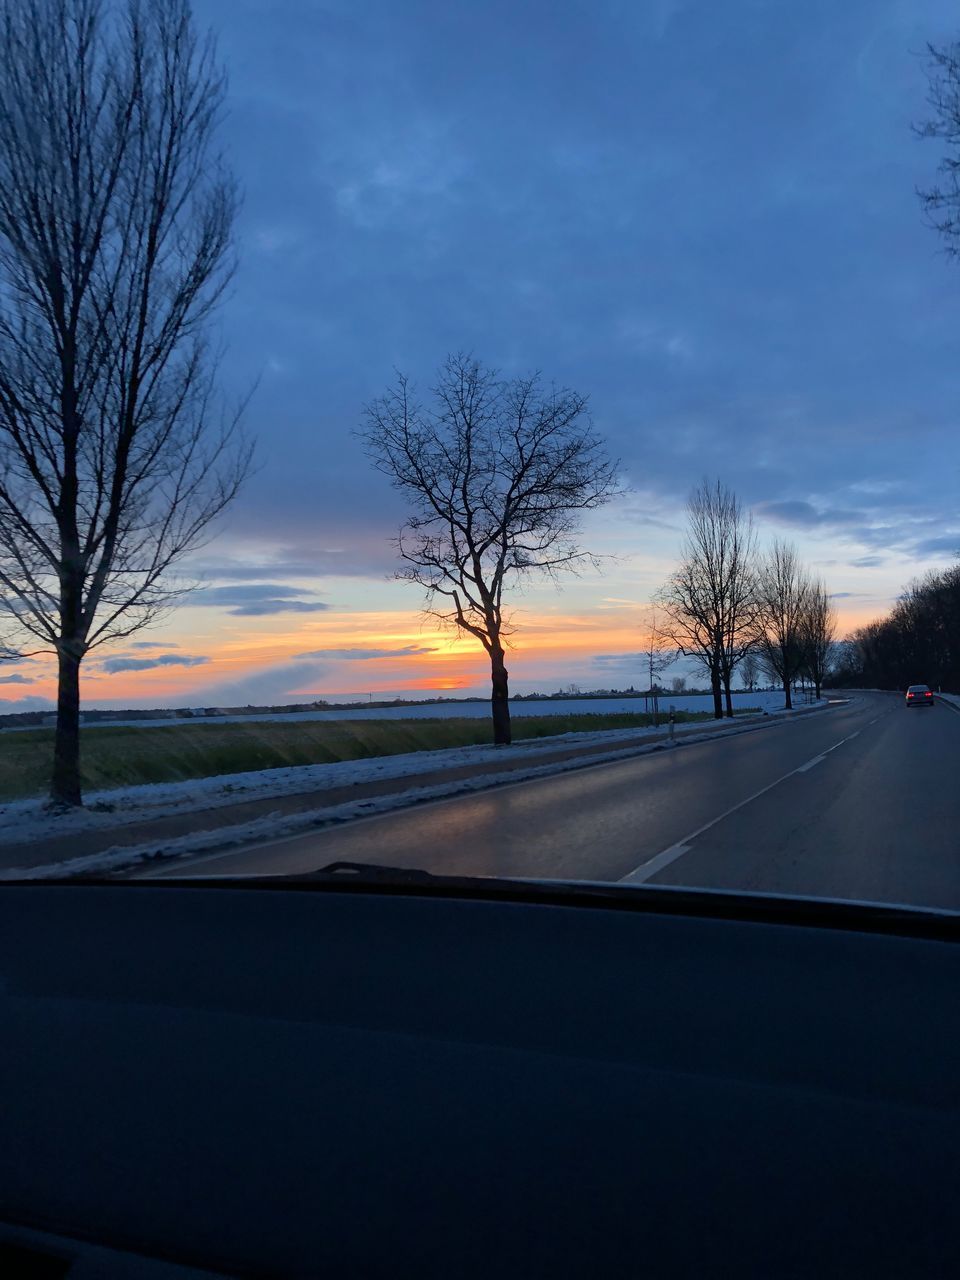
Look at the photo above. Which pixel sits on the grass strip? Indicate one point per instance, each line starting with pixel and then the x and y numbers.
pixel 120 755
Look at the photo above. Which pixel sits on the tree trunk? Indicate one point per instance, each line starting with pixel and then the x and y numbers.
pixel 816 688
pixel 499 703
pixel 65 786
pixel 727 696
pixel 787 702
pixel 717 698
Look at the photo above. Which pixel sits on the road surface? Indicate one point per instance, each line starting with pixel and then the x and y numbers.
pixel 859 801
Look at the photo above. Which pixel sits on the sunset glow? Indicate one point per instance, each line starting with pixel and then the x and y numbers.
pixel 275 661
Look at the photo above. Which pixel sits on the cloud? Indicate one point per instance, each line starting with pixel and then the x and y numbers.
pixel 243 571
pixel 622 663
pixel 121 663
pixel 153 644
pixel 257 600
pixel 407 171
pixel 16 679
pixel 651 338
pixel 867 562
pixel 275 238
pixel 804 514
pixel 946 544
pixel 610 603
pixel 30 703
pixel 266 607
pixel 843 595
pixel 315 544
pixel 408 651
pixel 280 683
pixel 241 594
pixel 642 519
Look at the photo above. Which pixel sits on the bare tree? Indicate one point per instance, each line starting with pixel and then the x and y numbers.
pixel 782 595
pixel 749 669
pixel 709 600
pixel 678 684
pixel 658 655
pixel 498 474
pixel 941 202
pixel 115 227
pixel 818 631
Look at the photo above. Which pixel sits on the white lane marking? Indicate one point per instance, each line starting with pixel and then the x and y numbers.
pixel 810 763
pixel 675 851
pixel 658 863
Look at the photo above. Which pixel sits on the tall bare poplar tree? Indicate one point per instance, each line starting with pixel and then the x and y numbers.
pixel 115 229
pixel 498 474
pixel 658 654
pixel 709 600
pixel 818 632
pixel 783 592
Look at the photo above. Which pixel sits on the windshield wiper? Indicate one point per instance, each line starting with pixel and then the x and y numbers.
pixel 931 923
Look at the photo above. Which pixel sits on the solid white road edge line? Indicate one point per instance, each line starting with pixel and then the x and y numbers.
pixel 650 868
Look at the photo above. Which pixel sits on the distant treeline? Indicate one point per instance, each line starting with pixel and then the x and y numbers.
pixel 918 643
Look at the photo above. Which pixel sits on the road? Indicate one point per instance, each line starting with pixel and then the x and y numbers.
pixel 859 801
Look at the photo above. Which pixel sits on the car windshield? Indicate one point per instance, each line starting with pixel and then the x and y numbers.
pixel 469 439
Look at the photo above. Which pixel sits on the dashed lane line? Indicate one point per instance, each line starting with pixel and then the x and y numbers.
pixel 663 859
pixel 810 763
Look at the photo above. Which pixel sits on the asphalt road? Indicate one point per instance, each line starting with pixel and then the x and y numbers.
pixel 859 801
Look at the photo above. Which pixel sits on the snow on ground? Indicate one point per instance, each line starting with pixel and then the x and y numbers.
pixel 26 821
pixel 951 697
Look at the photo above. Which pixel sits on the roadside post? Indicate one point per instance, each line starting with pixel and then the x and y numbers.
pixel 673 721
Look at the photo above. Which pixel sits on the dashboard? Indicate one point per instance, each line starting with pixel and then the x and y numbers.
pixel 273 1080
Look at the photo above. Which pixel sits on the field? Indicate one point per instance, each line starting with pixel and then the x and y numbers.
pixel 120 756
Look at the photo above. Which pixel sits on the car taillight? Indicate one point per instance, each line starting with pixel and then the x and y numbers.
pixel 928 695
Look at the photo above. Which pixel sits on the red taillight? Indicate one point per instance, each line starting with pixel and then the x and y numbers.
pixel 928 695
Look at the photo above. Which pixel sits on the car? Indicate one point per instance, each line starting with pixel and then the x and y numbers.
pixel 918 695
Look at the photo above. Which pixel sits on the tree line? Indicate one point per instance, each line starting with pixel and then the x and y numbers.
pixel 730 606
pixel 917 643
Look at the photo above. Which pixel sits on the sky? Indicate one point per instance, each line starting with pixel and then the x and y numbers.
pixel 704 217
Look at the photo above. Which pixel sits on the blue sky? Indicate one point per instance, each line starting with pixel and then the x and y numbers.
pixel 702 215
